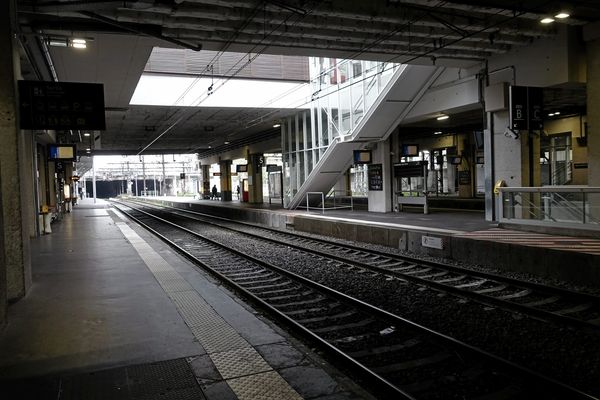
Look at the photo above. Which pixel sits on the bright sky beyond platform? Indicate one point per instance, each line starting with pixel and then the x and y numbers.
pixel 166 90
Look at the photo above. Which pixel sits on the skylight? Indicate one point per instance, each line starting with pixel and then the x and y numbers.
pixel 173 90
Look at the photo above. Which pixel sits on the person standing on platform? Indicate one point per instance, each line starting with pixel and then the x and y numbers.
pixel 214 192
pixel 238 191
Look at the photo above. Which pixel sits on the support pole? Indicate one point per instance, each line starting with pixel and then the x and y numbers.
pixel 94 179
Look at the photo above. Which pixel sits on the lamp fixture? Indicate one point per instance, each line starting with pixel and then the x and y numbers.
pixel 276 125
pixel 86 134
pixel 88 149
pixel 79 43
pixel 562 15
pixel 226 142
pixel 64 41
pixel 547 20
pixel 442 117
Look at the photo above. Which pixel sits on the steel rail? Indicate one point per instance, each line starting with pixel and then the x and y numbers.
pixel 479 297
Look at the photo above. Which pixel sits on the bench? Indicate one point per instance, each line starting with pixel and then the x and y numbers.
pixel 414 200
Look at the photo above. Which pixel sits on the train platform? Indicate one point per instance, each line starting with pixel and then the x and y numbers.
pixel 463 236
pixel 114 313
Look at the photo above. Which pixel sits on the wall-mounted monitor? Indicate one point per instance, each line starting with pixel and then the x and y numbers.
pixel 62 152
pixel 362 157
pixel 409 150
pixel 241 168
pixel 454 160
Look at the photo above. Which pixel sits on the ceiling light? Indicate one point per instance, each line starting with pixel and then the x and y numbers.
pixel 79 45
pixel 88 149
pixel 86 134
pixel 443 117
pixel 557 113
pixel 79 41
pixel 437 133
pixel 57 42
pixel 562 15
pixel 226 142
pixel 547 20
pixel 276 125
pixel 551 114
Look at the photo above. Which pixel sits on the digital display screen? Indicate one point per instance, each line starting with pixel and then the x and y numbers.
pixel 62 152
pixel 241 168
pixel 362 156
pixel 410 150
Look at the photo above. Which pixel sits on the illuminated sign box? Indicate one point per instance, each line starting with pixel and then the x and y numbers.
pixel 410 150
pixel 241 168
pixel 62 152
pixel 362 157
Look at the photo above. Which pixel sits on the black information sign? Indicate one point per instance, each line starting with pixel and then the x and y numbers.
pixel 61 105
pixel 518 107
pixel 536 108
pixel 409 169
pixel 464 177
pixel 526 108
pixel 375 177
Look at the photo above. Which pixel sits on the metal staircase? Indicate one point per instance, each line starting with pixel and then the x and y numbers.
pixel 408 84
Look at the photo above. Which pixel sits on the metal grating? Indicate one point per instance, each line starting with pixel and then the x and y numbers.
pixel 164 380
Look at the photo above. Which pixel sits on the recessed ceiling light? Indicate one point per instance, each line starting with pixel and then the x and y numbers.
pixel 443 117
pixel 562 15
pixel 547 20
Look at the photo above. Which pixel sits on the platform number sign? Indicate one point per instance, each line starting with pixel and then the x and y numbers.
pixel 526 108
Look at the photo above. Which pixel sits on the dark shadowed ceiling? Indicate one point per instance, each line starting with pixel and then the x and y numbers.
pixel 123 33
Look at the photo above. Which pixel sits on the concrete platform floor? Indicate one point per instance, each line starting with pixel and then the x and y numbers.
pixel 100 322
pixel 451 220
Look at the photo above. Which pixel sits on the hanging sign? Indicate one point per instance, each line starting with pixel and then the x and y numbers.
pixel 61 105
pixel 526 108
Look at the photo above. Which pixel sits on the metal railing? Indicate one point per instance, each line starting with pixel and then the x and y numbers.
pixel 568 206
pixel 330 198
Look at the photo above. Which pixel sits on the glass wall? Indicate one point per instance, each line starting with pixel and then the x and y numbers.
pixel 342 93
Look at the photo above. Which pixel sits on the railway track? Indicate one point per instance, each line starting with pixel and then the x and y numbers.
pixel 549 303
pixel 394 356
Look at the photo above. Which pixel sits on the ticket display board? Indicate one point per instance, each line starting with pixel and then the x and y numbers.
pixel 61 105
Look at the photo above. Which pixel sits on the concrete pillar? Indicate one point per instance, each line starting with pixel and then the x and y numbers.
pixel 16 250
pixel 255 183
pixel 225 168
pixel 593 117
pixel 205 180
pixel 381 200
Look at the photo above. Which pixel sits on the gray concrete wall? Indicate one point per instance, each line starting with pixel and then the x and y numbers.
pixel 11 160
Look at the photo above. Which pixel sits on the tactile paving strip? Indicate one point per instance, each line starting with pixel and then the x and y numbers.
pixel 265 386
pixel 247 373
pixel 239 362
